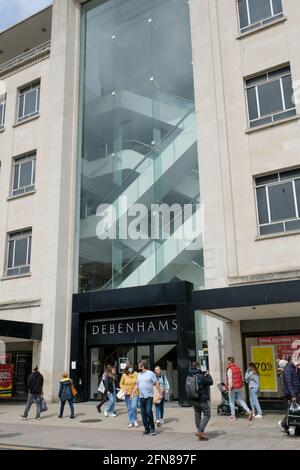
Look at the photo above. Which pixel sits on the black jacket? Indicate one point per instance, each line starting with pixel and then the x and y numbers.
pixel 205 381
pixel 35 383
pixel 109 384
pixel 291 380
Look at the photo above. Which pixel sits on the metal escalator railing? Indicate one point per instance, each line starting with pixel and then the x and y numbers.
pixel 155 152
pixel 144 248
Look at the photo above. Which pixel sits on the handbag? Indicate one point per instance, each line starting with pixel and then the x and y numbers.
pixel 156 397
pixel 101 387
pixel 44 406
pixel 121 395
pixel 73 390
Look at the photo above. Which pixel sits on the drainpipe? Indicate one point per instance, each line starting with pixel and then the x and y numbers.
pixel 219 339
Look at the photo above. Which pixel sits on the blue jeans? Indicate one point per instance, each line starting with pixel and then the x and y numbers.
pixel 254 400
pixel 62 406
pixel 236 395
pixel 33 398
pixel 147 415
pixel 131 408
pixel 111 403
pixel 159 409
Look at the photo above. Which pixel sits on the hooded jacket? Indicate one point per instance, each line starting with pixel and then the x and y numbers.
pixel 65 392
pixel 35 383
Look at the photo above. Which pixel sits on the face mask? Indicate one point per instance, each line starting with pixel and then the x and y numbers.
pixel 130 370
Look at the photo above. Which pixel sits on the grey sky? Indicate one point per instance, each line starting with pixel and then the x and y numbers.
pixel 13 11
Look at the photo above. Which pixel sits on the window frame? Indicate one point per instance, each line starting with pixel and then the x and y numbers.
pixel 266 186
pixel 19 191
pixel 29 88
pixel 262 82
pixel 258 24
pixel 3 103
pixel 12 237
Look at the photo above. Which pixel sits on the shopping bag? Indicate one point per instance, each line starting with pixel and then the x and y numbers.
pixel 44 406
pixel 101 387
pixel 121 395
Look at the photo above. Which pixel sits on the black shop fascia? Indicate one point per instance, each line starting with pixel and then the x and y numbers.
pixel 154 322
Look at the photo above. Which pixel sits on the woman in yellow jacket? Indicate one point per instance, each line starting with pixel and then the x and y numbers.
pixel 127 384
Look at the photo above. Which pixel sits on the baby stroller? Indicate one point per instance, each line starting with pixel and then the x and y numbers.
pixel 224 407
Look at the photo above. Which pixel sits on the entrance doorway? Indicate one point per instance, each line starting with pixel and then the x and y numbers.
pixel 164 355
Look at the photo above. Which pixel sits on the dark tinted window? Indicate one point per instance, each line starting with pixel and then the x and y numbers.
pixel 262 205
pixel 282 201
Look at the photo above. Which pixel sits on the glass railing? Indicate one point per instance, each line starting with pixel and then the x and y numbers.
pixel 152 246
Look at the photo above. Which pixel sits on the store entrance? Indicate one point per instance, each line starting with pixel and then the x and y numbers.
pixel 164 355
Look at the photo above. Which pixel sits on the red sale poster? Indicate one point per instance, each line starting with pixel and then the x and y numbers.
pixel 6 380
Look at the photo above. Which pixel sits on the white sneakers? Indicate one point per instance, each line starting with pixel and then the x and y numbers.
pixel 158 422
pixel 136 424
pixel 258 416
pixel 130 425
pixel 105 413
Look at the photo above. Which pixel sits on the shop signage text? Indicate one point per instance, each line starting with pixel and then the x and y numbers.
pixel 159 329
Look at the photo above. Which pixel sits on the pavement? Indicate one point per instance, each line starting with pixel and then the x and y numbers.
pixel 93 431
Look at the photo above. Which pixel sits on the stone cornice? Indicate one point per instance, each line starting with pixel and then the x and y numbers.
pixel 17 304
pixel 23 61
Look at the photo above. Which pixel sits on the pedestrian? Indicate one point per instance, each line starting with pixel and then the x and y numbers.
pixel 201 404
pixel 145 383
pixel 110 391
pixel 291 381
pixel 65 394
pixel 253 380
pixel 127 383
pixel 234 382
pixel 164 386
pixel 35 384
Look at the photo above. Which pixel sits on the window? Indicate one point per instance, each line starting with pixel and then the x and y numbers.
pixel 255 13
pixel 29 102
pixel 278 201
pixel 23 179
pixel 270 97
pixel 2 111
pixel 19 253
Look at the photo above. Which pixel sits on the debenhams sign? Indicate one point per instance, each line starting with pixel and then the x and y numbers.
pixel 139 330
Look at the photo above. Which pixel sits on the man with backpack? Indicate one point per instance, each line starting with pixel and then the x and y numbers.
pixel 235 383
pixel 197 390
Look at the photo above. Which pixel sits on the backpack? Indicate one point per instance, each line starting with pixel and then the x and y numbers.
pixel 192 387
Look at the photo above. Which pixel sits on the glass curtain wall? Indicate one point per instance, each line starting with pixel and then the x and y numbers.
pixel 138 140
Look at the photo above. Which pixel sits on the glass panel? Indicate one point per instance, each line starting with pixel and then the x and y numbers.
pixel 21 104
pixel 297 187
pixel 259 9
pixel 1 114
pixel 10 254
pixel 270 99
pixel 30 102
pixel 25 177
pixel 294 225
pixel 21 252
pixel 284 115
pixel 262 205
pixel 288 91
pixel 143 352
pixel 243 13
pixel 289 174
pixel 257 79
pixel 29 250
pixel 261 122
pixel 138 131
pixel 16 177
pixel 277 6
pixel 279 72
pixel 268 229
pixel 282 203
pixel 266 179
pixel 252 103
